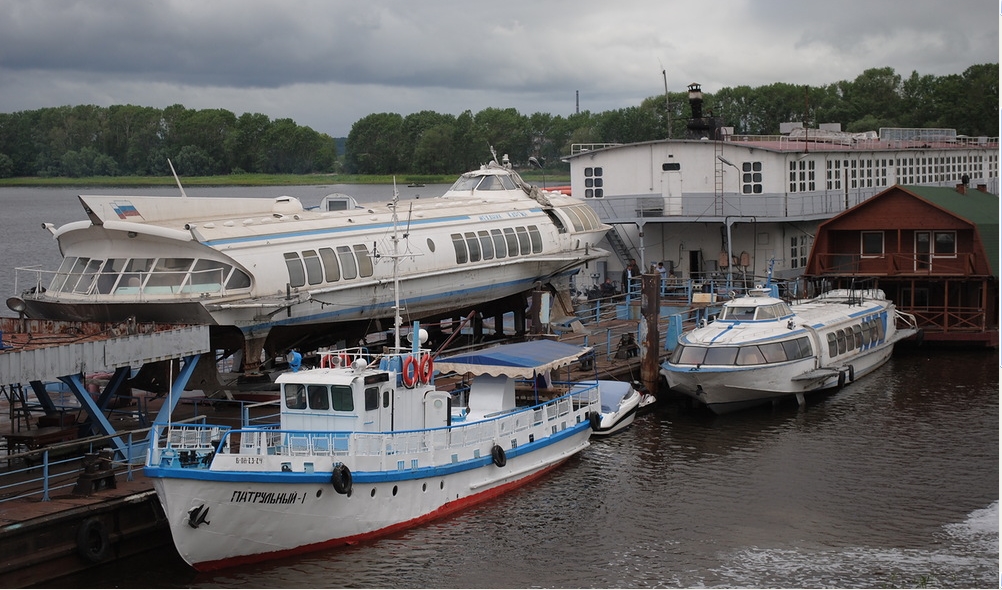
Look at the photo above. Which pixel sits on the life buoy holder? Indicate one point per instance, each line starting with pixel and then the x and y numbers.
pixel 341 478
pixel 410 372
pixel 498 456
pixel 92 540
pixel 427 367
pixel 595 419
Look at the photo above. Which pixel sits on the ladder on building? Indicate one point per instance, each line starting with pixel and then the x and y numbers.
pixel 718 177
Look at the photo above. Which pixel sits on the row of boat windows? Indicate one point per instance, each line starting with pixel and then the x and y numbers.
pixel 334 397
pixel 755 312
pixel 151 276
pixel 328 264
pixel 858 336
pixel 749 354
pixel 487 245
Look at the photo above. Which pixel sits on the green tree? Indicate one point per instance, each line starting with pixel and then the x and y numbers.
pixel 372 145
pixel 6 166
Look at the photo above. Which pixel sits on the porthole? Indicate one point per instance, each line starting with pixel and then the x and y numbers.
pixel 394 490
pixel 320 493
pixel 424 487
pixel 431 245
pixel 372 494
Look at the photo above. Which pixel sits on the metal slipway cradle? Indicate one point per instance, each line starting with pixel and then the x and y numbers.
pixel 69 361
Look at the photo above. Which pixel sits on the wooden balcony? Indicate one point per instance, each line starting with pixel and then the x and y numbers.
pixel 961 264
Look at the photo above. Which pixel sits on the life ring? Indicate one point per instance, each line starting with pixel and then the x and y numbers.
pixel 595 419
pixel 427 367
pixel 341 478
pixel 410 372
pixel 345 359
pixel 92 540
pixel 498 456
pixel 325 361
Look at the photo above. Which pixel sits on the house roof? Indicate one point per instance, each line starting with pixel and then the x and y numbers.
pixel 981 209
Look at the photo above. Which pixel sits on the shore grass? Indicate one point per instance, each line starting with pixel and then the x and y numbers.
pixel 261 180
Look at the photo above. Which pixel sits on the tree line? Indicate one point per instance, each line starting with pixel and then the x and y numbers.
pixel 133 140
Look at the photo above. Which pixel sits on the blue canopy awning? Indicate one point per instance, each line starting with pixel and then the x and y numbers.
pixel 522 359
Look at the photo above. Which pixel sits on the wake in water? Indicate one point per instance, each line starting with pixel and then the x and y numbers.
pixel 965 555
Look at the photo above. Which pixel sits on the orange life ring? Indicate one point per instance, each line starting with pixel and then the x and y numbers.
pixel 345 359
pixel 427 368
pixel 410 372
pixel 325 361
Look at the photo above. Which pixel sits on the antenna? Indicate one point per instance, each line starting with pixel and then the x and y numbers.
pixel 177 179
pixel 664 74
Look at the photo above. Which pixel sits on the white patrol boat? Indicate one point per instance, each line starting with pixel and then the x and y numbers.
pixel 365 447
pixel 271 274
pixel 761 349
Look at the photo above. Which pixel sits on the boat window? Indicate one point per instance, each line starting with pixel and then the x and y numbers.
pixel 524 247
pixel 486 245
pixel 134 275
pixel 314 273
pixel 840 338
pixel 499 246
pixel 371 398
pixel 167 275
pixel 692 355
pixel 721 355
pixel 332 271
pixel 364 261
pixel 465 183
pixel 734 312
pixel 797 349
pixel 341 398
pixel 535 239
pixel 473 245
pixel 109 275
pixel 386 398
pixel 319 399
pixel 750 355
pixel 832 345
pixel 773 352
pixel 87 273
pixel 858 332
pixel 297 276
pixel 509 236
pixel 348 269
pixel 766 312
pixel 880 329
pixel 490 183
pixel 575 218
pixel 295 396
pixel 59 280
pixel 207 276
pixel 238 280
pixel 460 245
pixel 508 183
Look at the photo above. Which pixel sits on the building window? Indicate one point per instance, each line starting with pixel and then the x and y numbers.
pixel 799 246
pixel 871 243
pixel 751 178
pixel 593 183
pixel 946 243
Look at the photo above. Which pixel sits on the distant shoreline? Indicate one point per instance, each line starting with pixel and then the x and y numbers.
pixel 258 180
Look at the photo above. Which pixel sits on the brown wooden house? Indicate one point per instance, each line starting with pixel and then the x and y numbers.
pixel 933 250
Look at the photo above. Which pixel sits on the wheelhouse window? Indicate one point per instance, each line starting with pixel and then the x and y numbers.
pixel 871 243
pixel 318 397
pixel 341 399
pixel 295 396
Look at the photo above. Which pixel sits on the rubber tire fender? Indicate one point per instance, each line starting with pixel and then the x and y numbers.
pixel 595 419
pixel 852 374
pixel 92 540
pixel 341 479
pixel 498 456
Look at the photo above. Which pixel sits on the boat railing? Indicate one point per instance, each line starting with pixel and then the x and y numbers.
pixel 138 287
pixel 195 445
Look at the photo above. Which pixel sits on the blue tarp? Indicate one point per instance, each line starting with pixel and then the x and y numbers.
pixel 522 359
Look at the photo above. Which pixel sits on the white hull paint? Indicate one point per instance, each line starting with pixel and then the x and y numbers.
pixel 739 362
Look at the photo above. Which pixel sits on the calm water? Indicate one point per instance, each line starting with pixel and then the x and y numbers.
pixel 891 482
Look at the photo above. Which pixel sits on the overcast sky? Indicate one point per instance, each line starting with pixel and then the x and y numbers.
pixel 328 63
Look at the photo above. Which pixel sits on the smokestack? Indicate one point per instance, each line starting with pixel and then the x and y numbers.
pixel 983 188
pixel 962 189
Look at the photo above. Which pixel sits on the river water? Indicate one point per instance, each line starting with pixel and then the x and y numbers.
pixel 891 482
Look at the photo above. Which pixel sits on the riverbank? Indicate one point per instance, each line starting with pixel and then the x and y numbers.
pixel 534 177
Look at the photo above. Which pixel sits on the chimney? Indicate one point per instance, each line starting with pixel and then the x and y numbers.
pixel 962 189
pixel 983 188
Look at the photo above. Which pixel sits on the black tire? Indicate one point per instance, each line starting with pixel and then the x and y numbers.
pixel 852 374
pixel 498 456
pixel 92 540
pixel 341 479
pixel 595 419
